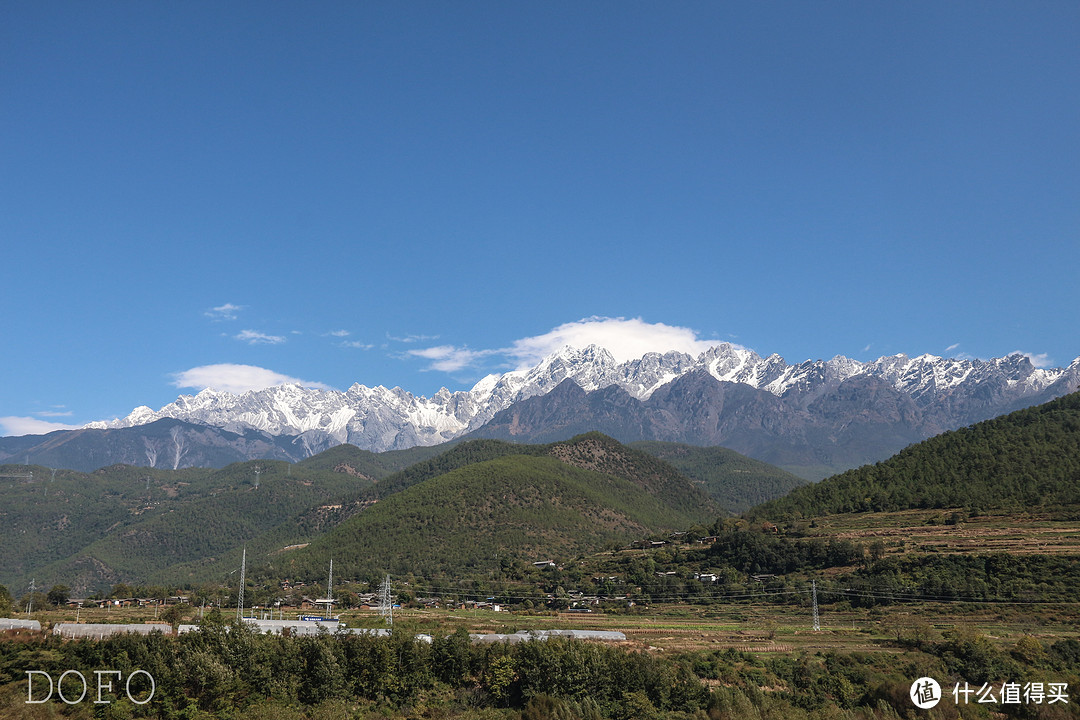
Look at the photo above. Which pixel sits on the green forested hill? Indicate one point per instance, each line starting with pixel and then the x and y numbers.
pixel 375 466
pixel 451 458
pixel 460 522
pixel 125 524
pixel 51 515
pixel 348 459
pixel 732 479
pixel 138 525
pixel 1028 459
pixel 590 451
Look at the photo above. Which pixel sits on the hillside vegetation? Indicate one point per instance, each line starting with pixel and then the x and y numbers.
pixel 127 524
pixel 1029 459
pixel 364 463
pixel 590 451
pixel 556 501
pixel 46 515
pixel 735 481
pixel 124 524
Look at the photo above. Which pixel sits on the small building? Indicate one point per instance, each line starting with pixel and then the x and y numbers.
pixel 116 602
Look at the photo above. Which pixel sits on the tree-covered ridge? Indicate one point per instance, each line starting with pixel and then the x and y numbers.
pixel 48 514
pixel 596 451
pixel 455 456
pixel 590 451
pixel 466 521
pixel 127 524
pixel 376 466
pixel 734 480
pixel 124 524
pixel 1027 459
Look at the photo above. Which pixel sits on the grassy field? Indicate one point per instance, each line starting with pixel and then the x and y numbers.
pixel 928 531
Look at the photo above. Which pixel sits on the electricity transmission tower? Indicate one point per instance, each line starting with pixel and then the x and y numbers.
pixel 33 589
pixel 386 604
pixel 258 472
pixel 817 620
pixel 240 594
pixel 329 600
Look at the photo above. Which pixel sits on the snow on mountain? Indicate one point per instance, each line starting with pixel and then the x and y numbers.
pixel 378 418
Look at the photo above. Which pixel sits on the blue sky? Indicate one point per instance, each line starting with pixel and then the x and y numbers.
pixel 418 194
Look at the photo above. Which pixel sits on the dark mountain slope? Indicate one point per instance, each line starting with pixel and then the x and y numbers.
pixel 166 444
pixel 859 420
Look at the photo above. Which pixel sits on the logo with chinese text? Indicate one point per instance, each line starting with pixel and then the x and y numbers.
pixel 925 693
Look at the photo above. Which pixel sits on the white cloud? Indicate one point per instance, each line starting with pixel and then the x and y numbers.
pixel 356 344
pixel 237 379
pixel 338 333
pixel 448 358
pixel 952 347
pixel 411 338
pixel 12 425
pixel 254 337
pixel 55 413
pixel 624 339
pixel 1039 360
pixel 867 348
pixel 227 311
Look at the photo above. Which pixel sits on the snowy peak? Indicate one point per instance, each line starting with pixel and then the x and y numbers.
pixel 378 418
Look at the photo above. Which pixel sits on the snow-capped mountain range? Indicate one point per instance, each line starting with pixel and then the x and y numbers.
pixel 961 391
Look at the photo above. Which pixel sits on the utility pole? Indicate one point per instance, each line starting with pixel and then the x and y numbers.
pixel 817 620
pixel 33 589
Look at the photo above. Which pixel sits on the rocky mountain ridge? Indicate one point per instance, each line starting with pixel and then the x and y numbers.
pixel 955 391
pixel 812 418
